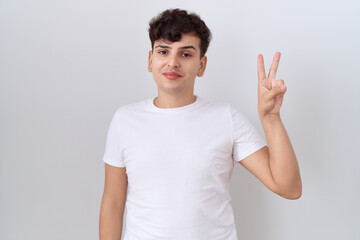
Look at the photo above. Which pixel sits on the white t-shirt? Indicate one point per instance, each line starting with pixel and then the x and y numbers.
pixel 179 163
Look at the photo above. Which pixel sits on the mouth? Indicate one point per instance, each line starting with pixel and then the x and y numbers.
pixel 172 75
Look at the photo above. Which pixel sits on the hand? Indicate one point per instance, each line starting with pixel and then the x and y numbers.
pixel 270 91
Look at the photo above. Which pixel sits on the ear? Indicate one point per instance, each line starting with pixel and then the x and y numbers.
pixel 150 61
pixel 202 68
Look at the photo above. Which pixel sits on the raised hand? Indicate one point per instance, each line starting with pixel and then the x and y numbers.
pixel 270 91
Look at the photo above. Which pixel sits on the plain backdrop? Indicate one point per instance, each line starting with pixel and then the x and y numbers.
pixel 66 66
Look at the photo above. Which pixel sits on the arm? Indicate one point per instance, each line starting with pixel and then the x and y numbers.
pixel 276 165
pixel 113 203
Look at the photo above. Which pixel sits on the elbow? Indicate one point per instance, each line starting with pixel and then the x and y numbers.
pixel 292 196
pixel 292 193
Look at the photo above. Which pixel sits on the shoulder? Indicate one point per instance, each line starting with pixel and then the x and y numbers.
pixel 221 107
pixel 220 104
pixel 215 105
pixel 130 108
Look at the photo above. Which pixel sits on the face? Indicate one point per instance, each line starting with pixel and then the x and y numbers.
pixel 175 65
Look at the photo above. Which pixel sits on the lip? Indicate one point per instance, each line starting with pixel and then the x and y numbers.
pixel 171 75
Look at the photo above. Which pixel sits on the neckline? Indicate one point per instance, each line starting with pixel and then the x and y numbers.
pixel 188 106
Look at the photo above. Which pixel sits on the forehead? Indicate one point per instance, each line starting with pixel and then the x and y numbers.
pixel 186 40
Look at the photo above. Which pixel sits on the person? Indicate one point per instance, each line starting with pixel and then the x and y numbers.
pixel 176 152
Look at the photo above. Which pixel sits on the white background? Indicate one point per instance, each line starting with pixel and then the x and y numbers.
pixel 66 66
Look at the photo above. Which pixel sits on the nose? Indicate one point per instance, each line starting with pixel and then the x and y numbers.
pixel 173 61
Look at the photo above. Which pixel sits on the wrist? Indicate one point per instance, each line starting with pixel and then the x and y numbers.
pixel 270 119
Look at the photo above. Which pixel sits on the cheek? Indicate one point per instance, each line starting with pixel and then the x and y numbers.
pixel 193 68
pixel 157 64
pixel 157 68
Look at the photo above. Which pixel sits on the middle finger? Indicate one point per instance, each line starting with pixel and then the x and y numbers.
pixel 274 66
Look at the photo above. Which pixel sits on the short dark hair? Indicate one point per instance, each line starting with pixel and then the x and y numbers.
pixel 171 23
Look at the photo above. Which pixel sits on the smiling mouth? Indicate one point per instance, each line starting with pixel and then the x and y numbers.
pixel 172 75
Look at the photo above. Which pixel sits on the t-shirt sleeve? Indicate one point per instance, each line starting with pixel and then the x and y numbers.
pixel 113 154
pixel 246 140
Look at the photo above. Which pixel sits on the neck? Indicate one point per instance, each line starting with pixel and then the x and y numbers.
pixel 170 101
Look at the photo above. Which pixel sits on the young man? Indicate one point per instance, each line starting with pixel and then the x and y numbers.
pixel 177 151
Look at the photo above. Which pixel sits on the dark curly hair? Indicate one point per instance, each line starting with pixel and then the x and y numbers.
pixel 171 23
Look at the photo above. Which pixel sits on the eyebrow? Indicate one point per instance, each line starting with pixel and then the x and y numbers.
pixel 185 47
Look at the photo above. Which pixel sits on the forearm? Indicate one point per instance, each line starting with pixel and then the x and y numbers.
pixel 283 163
pixel 111 222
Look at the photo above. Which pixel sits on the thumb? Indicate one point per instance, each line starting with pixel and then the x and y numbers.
pixel 278 90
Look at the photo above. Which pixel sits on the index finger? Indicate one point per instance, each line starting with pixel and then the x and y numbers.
pixel 274 66
pixel 261 67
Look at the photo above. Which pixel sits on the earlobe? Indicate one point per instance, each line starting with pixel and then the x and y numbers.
pixel 149 61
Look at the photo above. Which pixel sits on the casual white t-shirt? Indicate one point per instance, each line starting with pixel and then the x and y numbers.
pixel 179 163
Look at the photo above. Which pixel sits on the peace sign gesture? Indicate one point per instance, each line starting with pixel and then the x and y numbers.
pixel 270 91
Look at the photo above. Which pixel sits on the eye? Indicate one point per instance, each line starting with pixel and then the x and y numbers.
pixel 162 52
pixel 186 55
